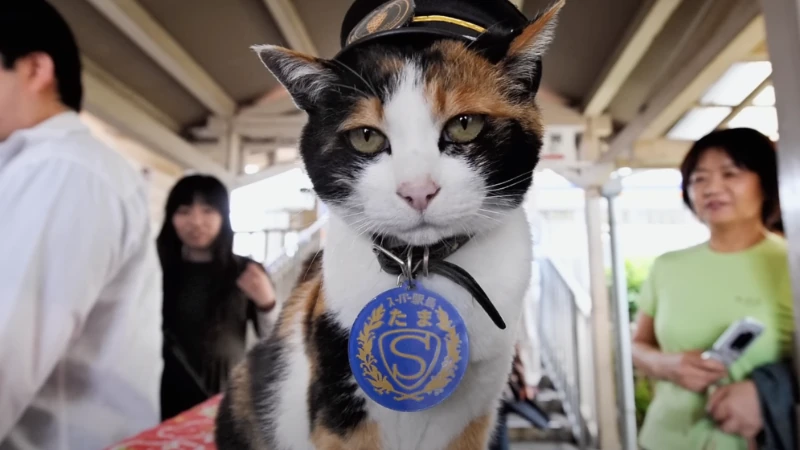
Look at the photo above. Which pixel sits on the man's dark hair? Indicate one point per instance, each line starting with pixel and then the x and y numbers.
pixel 749 150
pixel 32 26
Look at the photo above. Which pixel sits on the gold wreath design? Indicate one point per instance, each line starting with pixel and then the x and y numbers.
pixel 382 384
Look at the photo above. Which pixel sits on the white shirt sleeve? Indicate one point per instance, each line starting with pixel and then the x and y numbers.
pixel 61 235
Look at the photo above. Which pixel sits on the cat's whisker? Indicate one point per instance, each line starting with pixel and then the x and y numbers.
pixel 464 227
pixel 352 88
pixel 488 30
pixel 355 214
pixel 499 213
pixel 502 197
pixel 493 219
pixel 502 203
pixel 351 70
pixel 503 188
pixel 522 175
pixel 310 264
pixel 509 183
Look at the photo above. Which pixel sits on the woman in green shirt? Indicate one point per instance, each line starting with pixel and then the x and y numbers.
pixel 693 295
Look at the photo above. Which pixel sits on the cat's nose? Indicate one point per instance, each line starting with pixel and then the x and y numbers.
pixel 418 194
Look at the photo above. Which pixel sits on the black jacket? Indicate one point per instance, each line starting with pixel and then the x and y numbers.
pixel 205 329
pixel 777 391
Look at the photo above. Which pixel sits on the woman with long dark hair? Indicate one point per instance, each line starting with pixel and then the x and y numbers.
pixel 210 294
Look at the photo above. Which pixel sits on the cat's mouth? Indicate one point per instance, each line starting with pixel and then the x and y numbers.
pixel 423 225
pixel 423 233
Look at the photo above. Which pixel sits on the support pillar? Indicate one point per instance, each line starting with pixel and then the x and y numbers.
pixel 626 403
pixel 782 18
pixel 233 152
pixel 605 389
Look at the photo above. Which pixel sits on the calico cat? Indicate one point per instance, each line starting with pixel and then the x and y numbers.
pixel 422 138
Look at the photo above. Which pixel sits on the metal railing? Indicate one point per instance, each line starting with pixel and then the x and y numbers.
pixel 285 271
pixel 565 336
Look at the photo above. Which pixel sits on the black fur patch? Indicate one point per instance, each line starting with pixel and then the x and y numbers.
pixel 266 366
pixel 332 402
pixel 267 362
pixel 227 434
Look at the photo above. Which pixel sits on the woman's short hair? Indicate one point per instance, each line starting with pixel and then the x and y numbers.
pixel 749 150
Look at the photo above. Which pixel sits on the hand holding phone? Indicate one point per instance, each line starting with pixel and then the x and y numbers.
pixel 691 371
pixel 739 336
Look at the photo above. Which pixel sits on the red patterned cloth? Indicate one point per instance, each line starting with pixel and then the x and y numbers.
pixel 193 429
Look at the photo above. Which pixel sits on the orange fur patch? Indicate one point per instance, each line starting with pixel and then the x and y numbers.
pixel 303 299
pixel 297 55
pixel 366 437
pixel 240 397
pixel 532 31
pixel 474 436
pixel 368 112
pixel 459 86
pixel 390 65
pixel 242 405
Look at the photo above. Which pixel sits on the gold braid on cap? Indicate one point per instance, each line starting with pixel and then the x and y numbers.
pixel 452 20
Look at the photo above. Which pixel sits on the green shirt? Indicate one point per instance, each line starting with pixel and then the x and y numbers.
pixel 693 295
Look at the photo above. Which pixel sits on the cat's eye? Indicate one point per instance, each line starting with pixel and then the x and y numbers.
pixel 366 140
pixel 464 128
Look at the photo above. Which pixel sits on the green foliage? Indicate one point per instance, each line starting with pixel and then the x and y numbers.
pixel 636 272
pixel 642 395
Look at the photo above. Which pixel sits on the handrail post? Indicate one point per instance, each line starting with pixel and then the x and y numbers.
pixel 621 318
pixel 575 389
pixel 605 389
pixel 782 19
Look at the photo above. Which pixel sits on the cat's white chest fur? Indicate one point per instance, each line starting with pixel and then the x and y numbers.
pixel 500 261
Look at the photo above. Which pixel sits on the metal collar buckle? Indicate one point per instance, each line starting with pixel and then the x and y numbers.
pixel 408 269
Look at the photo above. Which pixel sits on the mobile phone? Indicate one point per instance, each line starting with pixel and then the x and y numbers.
pixel 739 336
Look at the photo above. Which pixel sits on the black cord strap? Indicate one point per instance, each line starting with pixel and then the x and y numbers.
pixel 431 260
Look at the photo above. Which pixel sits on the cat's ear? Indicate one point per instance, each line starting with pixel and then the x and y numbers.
pixel 305 77
pixel 524 55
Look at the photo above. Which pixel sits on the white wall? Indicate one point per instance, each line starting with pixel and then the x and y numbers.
pixel 653 219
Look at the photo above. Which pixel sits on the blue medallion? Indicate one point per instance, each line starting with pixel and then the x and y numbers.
pixel 409 348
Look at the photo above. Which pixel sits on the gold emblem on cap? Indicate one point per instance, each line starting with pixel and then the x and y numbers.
pixel 376 22
pixel 389 16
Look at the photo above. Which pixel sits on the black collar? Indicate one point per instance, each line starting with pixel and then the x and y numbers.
pixel 398 258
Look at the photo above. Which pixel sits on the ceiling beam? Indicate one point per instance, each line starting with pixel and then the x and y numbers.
pixel 648 23
pixel 557 114
pixel 741 32
pixel 738 49
pixel 271 171
pixel 278 106
pixel 656 154
pixel 131 148
pixel 136 23
pixel 91 67
pixel 123 113
pixel 748 101
pixel 291 25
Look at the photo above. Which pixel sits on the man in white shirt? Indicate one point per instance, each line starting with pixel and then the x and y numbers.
pixel 80 284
